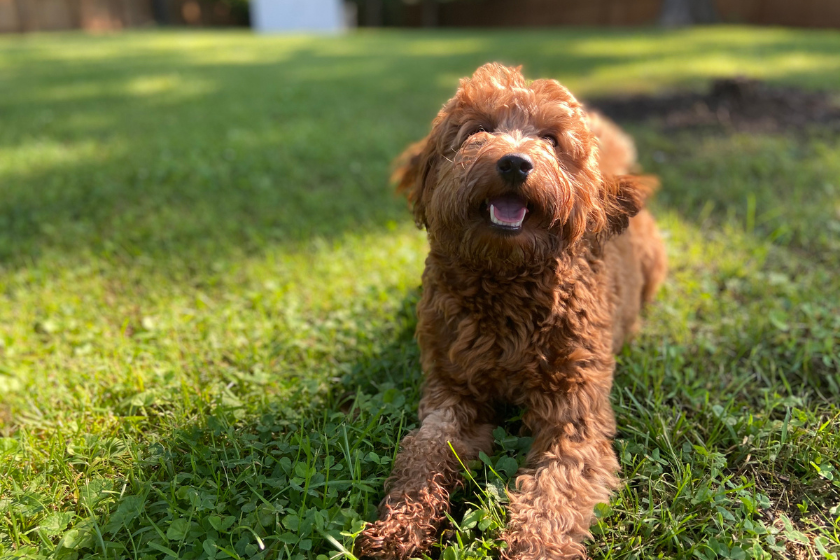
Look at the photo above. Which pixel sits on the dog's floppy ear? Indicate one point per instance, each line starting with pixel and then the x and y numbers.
pixel 411 173
pixel 622 197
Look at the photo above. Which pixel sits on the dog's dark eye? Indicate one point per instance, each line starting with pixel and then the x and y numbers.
pixel 551 139
pixel 467 133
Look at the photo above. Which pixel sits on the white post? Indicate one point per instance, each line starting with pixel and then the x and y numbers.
pixel 273 16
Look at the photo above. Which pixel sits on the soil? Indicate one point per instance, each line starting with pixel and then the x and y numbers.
pixel 734 104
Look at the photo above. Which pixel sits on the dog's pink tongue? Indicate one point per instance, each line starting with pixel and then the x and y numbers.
pixel 509 208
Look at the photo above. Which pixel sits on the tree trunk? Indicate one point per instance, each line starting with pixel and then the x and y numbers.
pixel 160 12
pixel 676 13
pixel 24 24
pixel 431 14
pixel 373 13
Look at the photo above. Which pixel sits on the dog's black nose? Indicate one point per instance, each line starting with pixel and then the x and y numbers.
pixel 515 167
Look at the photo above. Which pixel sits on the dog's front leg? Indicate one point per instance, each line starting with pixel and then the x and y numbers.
pixel 425 471
pixel 572 467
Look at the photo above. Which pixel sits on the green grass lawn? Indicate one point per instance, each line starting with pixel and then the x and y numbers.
pixel 207 296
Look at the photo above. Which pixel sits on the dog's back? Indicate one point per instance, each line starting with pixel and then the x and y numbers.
pixel 636 260
pixel 636 264
pixel 616 150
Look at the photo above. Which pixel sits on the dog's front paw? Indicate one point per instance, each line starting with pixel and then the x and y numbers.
pixel 406 528
pixel 387 540
pixel 377 541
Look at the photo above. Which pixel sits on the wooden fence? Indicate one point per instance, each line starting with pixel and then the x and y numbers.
pixel 19 16
pixel 48 15
pixel 43 15
pixel 798 13
pixel 526 13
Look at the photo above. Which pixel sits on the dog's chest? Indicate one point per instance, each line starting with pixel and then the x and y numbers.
pixel 504 339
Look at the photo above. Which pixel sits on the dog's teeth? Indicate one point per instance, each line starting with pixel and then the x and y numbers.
pixel 499 222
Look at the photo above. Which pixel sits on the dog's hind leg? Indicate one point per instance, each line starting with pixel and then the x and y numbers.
pixel 425 472
pixel 572 467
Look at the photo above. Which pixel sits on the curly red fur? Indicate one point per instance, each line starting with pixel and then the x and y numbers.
pixel 528 315
pixel 407 526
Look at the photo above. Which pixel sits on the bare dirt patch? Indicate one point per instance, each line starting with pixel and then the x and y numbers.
pixel 734 104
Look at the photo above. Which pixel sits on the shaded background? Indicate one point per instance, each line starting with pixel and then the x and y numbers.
pixel 42 15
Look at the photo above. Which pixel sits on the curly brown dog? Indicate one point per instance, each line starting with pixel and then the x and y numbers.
pixel 536 275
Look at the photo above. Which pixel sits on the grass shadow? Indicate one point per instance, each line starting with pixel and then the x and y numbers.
pixel 201 146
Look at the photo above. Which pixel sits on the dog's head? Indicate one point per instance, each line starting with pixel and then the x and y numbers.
pixel 510 174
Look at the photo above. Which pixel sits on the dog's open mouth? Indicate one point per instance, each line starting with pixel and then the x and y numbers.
pixel 507 211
